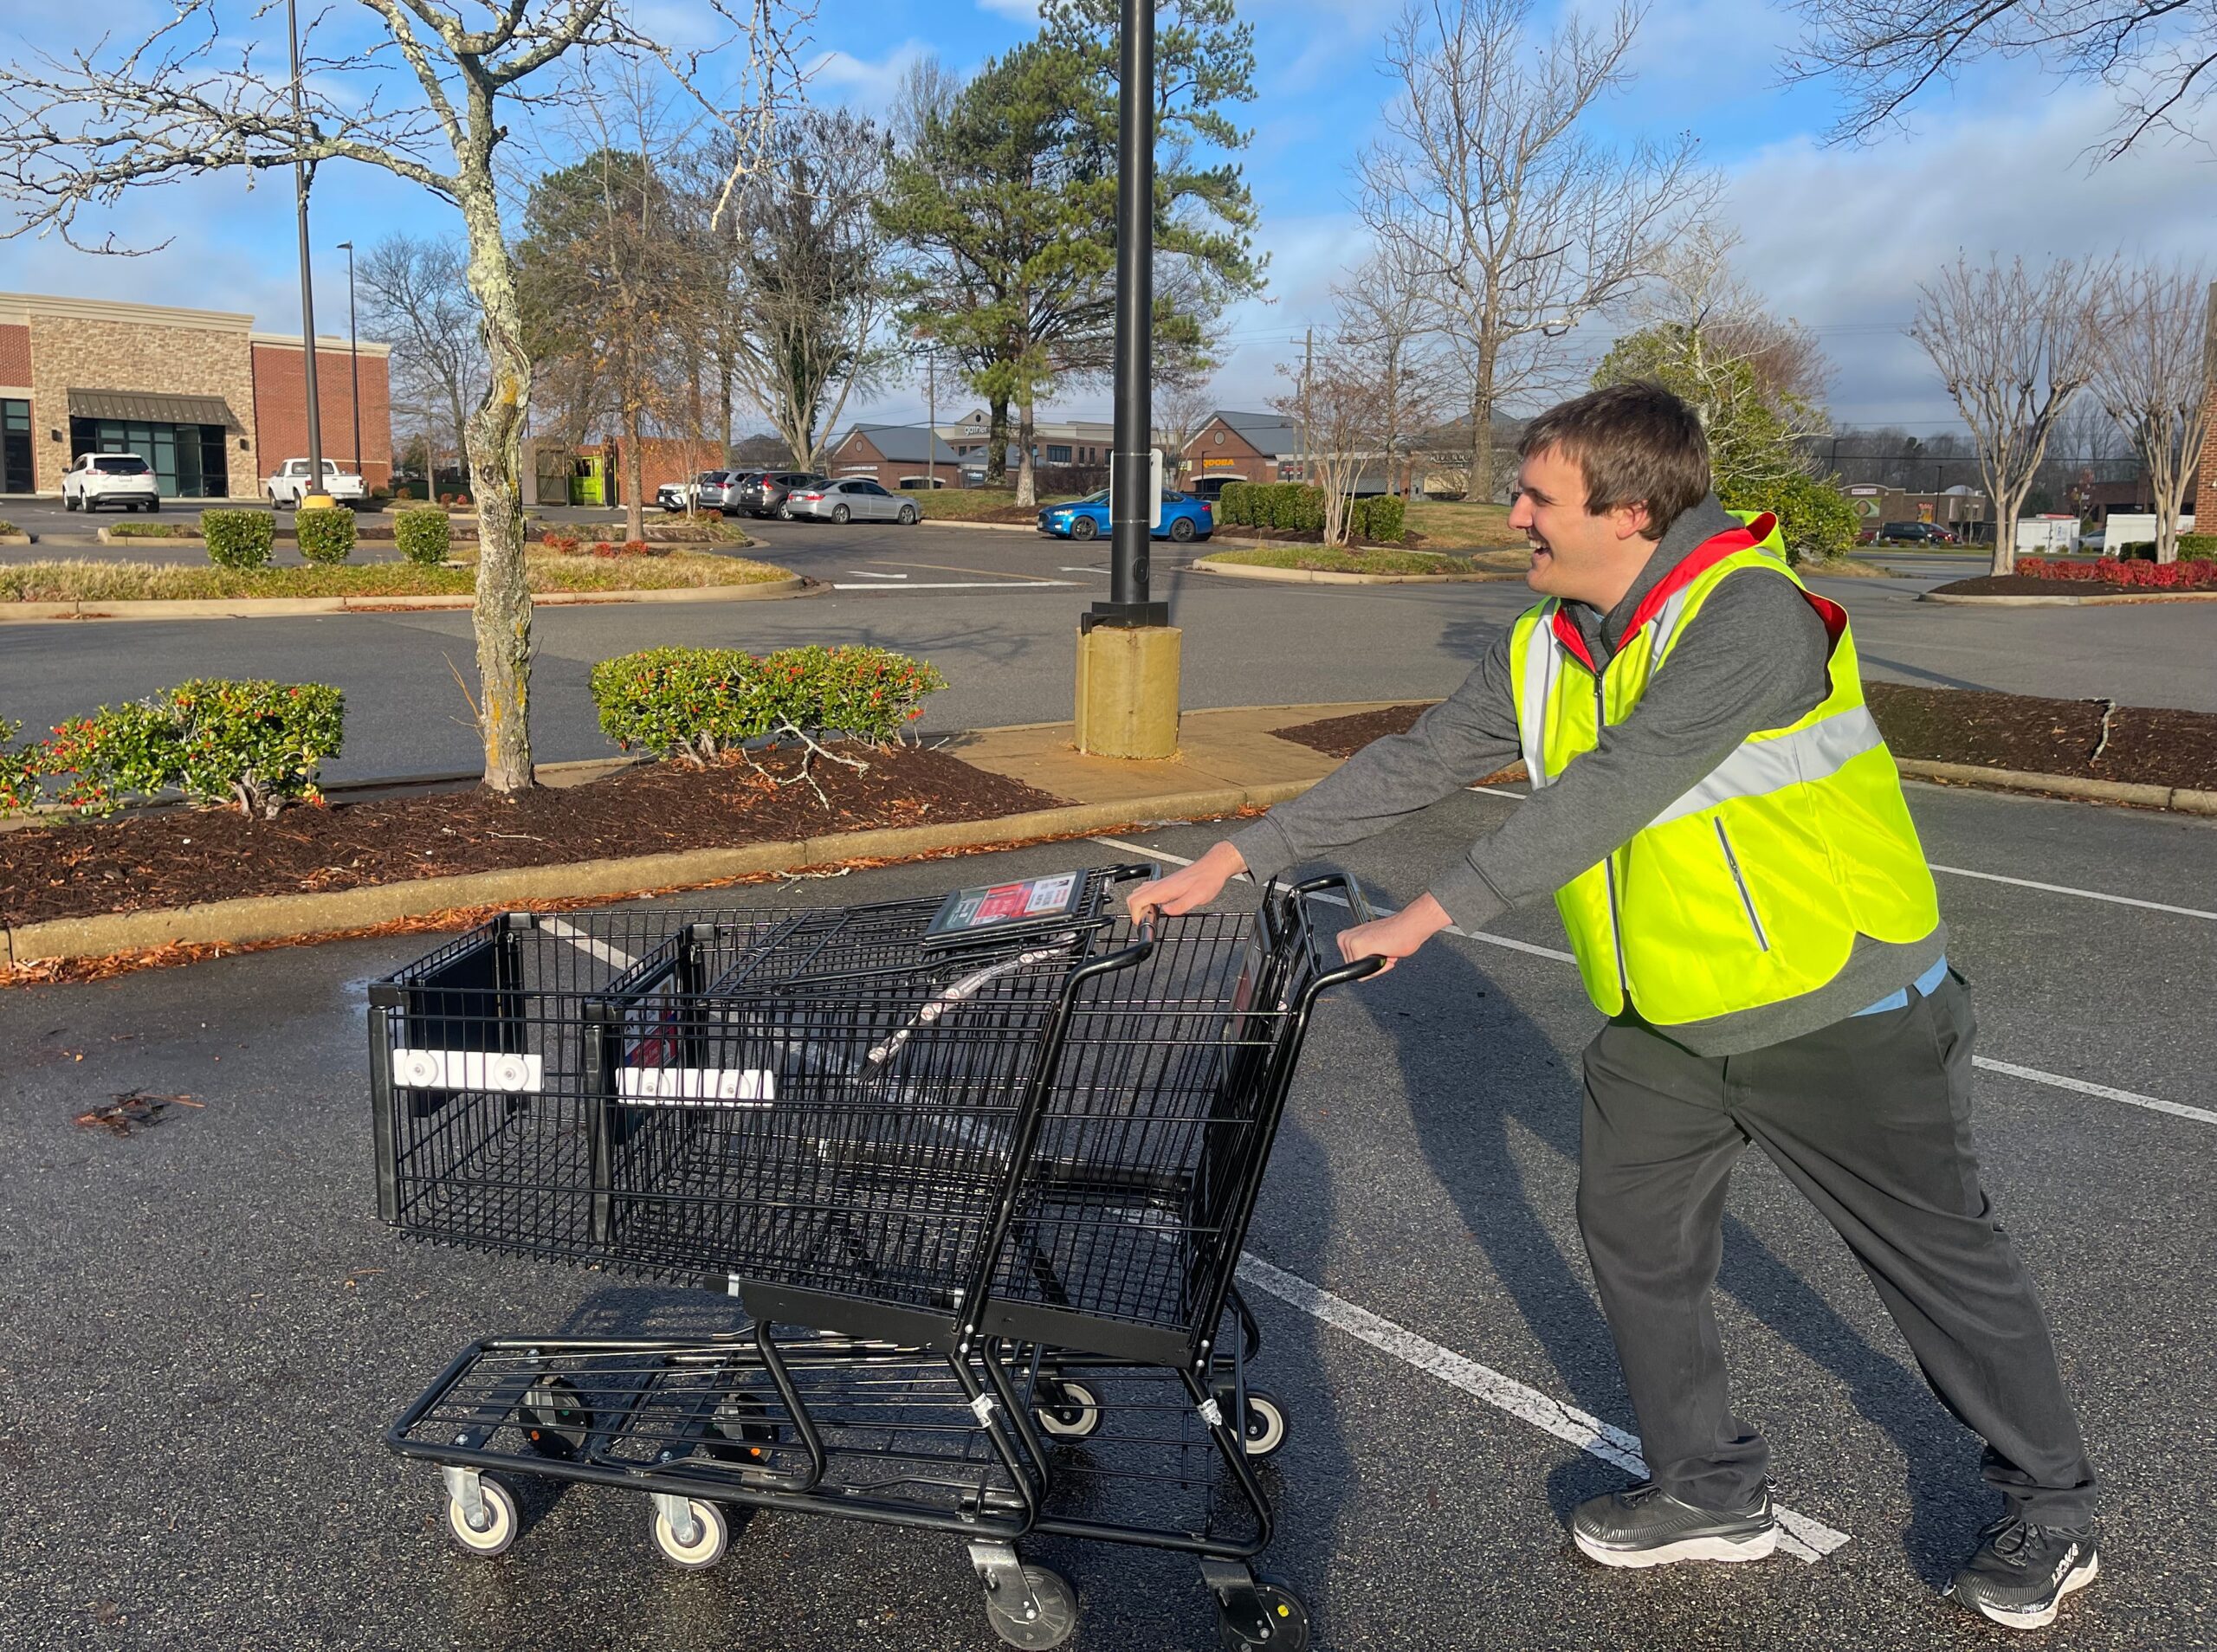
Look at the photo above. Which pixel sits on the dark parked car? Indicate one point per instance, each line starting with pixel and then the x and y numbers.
pixel 1914 534
pixel 766 495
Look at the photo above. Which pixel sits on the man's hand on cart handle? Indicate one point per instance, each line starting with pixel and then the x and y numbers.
pixel 1396 936
pixel 1188 888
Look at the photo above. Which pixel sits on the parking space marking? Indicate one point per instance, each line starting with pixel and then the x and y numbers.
pixel 864 573
pixel 2031 1074
pixel 973 584
pixel 2084 895
pixel 995 573
pixel 1807 1540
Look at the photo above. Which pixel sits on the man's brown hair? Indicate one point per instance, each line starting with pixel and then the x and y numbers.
pixel 1637 443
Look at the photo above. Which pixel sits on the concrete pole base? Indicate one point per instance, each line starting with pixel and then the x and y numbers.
pixel 1128 691
pixel 317 502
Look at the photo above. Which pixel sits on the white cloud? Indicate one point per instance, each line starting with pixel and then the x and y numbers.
pixel 1023 11
pixel 1840 238
pixel 864 84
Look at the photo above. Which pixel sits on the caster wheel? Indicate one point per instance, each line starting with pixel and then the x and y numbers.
pixel 739 1432
pixel 502 1520
pixel 1288 1617
pixel 709 1543
pixel 554 1418
pixel 1068 1411
pixel 1264 1428
pixel 1057 1617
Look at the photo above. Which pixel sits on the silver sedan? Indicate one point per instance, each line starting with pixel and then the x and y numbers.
pixel 851 499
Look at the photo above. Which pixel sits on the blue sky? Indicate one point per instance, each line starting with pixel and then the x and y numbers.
pixel 1835 237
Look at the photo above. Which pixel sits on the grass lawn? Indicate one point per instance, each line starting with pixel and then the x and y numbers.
pixel 153 529
pixel 1458 526
pixel 117 582
pixel 1319 559
pixel 978 504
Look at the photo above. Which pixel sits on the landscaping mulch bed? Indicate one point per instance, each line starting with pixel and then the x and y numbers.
pixel 2031 586
pixel 2141 745
pixel 179 857
pixel 1315 536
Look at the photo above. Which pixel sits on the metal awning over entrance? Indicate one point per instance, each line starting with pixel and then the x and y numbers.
pixel 144 407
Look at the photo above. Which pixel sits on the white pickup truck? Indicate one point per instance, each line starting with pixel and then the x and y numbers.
pixel 296 476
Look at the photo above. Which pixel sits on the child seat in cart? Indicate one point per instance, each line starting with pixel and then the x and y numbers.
pixel 979 1169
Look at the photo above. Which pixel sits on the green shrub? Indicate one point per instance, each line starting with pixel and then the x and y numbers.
pixel 325 533
pixel 238 538
pixel 699 703
pixel 1235 504
pixel 1814 518
pixel 19 771
pixel 254 743
pixel 2197 547
pixel 424 536
pixel 1382 519
pixel 9 527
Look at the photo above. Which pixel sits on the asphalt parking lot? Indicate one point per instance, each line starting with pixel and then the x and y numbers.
pixel 206 1329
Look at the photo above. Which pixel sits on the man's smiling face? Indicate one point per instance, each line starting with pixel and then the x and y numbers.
pixel 1575 553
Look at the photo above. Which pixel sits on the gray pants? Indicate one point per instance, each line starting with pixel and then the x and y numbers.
pixel 1870 1118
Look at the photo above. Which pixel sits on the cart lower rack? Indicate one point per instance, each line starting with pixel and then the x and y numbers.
pixel 980 1169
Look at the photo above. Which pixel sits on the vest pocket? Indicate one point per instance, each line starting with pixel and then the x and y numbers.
pixel 1747 900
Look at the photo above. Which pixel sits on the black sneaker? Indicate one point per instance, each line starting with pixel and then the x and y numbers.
pixel 2022 1571
pixel 1646 1526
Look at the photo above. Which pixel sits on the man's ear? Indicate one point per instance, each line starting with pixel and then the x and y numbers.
pixel 1630 520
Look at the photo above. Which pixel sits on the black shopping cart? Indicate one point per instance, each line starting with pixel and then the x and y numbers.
pixel 979 1169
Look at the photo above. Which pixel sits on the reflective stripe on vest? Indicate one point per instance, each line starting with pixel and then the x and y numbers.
pixel 1760 766
pixel 1541 664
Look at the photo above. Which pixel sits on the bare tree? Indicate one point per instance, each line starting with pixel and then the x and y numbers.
pixel 2014 347
pixel 415 297
pixel 1348 408
pixel 427 90
pixel 1182 405
pixel 811 294
pixel 2157 56
pixel 1388 312
pixel 2152 374
pixel 1492 187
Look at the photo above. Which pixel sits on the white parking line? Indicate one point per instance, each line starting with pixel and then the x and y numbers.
pixel 2031 1074
pixel 864 573
pixel 2084 895
pixel 975 584
pixel 1806 1540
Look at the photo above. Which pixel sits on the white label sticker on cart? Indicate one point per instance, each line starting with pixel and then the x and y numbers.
pixel 731 1087
pixel 504 1071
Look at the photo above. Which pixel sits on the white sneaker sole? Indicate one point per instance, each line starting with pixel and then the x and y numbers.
pixel 1729 1551
pixel 2041 1618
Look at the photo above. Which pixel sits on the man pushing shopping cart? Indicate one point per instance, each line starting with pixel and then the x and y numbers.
pixel 1725 835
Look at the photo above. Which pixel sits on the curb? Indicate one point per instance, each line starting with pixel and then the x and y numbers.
pixel 1327 577
pixel 283 607
pixel 2103 600
pixel 301 917
pixel 18 539
pixel 2185 800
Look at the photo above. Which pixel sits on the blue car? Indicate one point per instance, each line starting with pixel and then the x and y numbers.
pixel 1184 518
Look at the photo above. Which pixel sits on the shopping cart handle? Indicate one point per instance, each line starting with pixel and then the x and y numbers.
pixel 1350 892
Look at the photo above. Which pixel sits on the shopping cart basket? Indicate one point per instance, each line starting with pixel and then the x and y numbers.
pixel 1001 1175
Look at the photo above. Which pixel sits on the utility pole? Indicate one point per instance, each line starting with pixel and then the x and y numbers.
pixel 314 495
pixel 1128 649
pixel 1308 367
pixel 354 356
pixel 931 420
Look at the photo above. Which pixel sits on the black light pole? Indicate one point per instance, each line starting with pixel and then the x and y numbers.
pixel 314 489
pixel 1130 510
pixel 354 355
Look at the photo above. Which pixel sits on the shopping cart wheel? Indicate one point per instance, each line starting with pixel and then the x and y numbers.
pixel 1068 1410
pixel 702 1544
pixel 1053 1606
pixel 495 1512
pixel 1282 1609
pixel 1265 1427
pixel 740 1431
pixel 556 1421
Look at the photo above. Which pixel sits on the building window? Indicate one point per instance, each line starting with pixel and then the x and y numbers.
pixel 16 476
pixel 1058 456
pixel 189 460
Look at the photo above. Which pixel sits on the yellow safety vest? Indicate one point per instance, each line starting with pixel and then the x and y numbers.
pixel 1752 888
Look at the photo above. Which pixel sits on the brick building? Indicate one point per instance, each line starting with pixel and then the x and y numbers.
pixel 211 404
pixel 1243 447
pixel 896 457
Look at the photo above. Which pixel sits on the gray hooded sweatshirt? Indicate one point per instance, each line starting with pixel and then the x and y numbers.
pixel 1752 658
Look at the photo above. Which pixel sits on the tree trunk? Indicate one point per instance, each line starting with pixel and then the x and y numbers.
pixel 723 401
pixel 1480 490
pixel 494 440
pixel 635 476
pixel 996 443
pixel 1027 492
pixel 2005 532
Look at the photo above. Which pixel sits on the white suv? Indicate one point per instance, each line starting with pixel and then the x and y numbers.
pixel 98 478
pixel 295 477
